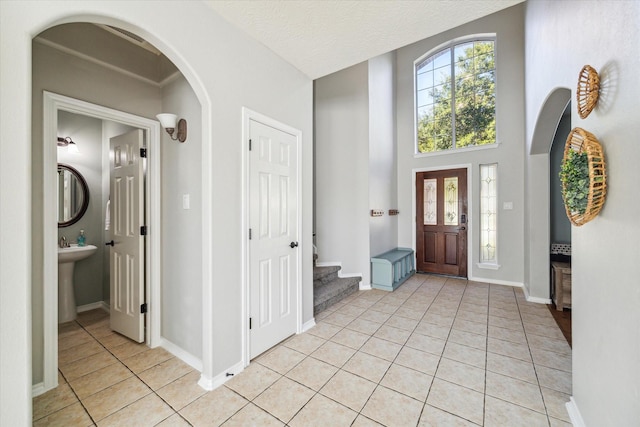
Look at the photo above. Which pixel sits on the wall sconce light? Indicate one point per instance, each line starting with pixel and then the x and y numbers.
pixel 72 147
pixel 168 122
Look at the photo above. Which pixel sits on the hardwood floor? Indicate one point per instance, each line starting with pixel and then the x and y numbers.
pixel 563 319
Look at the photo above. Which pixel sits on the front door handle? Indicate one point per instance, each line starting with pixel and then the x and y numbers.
pixel 293 245
pixel 109 243
pixel 462 228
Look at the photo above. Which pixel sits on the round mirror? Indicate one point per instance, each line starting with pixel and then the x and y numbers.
pixel 73 195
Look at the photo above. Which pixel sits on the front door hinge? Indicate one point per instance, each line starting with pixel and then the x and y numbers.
pixel 143 153
pixel 249 145
pixel 143 230
pixel 143 308
pixel 250 322
pixel 249 234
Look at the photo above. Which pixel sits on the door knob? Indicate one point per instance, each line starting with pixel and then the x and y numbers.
pixel 109 243
pixel 293 245
pixel 462 228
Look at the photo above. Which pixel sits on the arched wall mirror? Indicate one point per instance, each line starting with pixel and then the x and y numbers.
pixel 73 195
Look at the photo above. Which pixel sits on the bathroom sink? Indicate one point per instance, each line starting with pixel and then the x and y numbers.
pixel 75 253
pixel 67 258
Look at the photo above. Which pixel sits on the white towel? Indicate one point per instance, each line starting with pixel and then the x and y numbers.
pixel 107 216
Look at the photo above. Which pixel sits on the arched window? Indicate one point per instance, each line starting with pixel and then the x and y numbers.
pixel 456 96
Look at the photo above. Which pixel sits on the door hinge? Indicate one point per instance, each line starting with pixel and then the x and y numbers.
pixel 143 230
pixel 250 322
pixel 249 234
pixel 249 145
pixel 143 308
pixel 143 153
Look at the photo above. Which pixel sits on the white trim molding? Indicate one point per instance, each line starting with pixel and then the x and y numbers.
pixel 470 217
pixel 94 305
pixel 185 356
pixel 535 299
pixel 308 324
pixel 52 104
pixel 249 115
pixel 488 266
pixel 574 413
pixel 361 286
pixel 211 383
pixel 496 282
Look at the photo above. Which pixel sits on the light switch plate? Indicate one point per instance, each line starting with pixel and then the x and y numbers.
pixel 507 206
pixel 185 201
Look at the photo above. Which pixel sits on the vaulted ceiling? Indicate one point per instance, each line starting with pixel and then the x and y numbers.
pixel 320 37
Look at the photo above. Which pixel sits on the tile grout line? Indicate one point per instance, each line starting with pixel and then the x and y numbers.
pixel 133 375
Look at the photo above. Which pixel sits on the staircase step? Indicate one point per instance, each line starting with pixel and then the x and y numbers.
pixel 321 272
pixel 334 291
pixel 324 275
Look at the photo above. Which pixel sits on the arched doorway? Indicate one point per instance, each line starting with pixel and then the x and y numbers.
pixel 538 173
pixel 83 86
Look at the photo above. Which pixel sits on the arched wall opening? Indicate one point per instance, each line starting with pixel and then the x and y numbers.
pixel 187 97
pixel 538 215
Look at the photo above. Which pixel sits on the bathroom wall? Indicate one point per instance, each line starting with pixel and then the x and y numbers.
pixel 86 132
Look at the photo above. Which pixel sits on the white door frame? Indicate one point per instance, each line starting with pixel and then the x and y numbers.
pixel 52 104
pixel 469 168
pixel 247 116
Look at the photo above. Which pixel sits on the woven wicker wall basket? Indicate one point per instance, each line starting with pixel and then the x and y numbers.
pixel 582 141
pixel 588 90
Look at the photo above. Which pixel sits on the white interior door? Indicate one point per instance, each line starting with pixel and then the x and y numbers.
pixel 273 244
pixel 126 253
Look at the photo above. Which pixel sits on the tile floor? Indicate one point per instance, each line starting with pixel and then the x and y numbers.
pixel 436 352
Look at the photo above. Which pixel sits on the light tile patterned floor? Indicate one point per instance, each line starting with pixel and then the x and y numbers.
pixel 436 352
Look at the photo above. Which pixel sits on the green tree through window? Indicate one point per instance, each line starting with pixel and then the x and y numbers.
pixel 469 102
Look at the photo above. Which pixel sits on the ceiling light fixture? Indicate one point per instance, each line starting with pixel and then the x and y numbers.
pixel 168 122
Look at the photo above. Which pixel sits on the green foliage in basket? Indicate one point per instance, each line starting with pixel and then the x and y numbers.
pixel 574 175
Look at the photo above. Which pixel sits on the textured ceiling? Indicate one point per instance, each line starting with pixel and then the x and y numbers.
pixel 320 37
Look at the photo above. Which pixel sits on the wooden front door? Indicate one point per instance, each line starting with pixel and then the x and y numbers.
pixel 441 222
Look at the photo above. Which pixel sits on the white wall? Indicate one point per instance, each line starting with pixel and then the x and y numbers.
pixel 231 72
pixel 561 37
pixel 182 228
pixel 509 154
pixel 342 169
pixel 383 194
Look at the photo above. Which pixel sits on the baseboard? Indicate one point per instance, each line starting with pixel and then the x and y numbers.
pixel 538 300
pixel 574 413
pixel 181 354
pixel 37 389
pixel 308 325
pixel 100 304
pixel 209 383
pixel 496 282
pixel 361 285
pixel 329 264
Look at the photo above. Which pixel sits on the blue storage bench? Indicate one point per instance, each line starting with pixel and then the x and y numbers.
pixel 390 269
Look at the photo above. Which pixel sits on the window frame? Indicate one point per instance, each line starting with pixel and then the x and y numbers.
pixel 482 263
pixel 451 45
